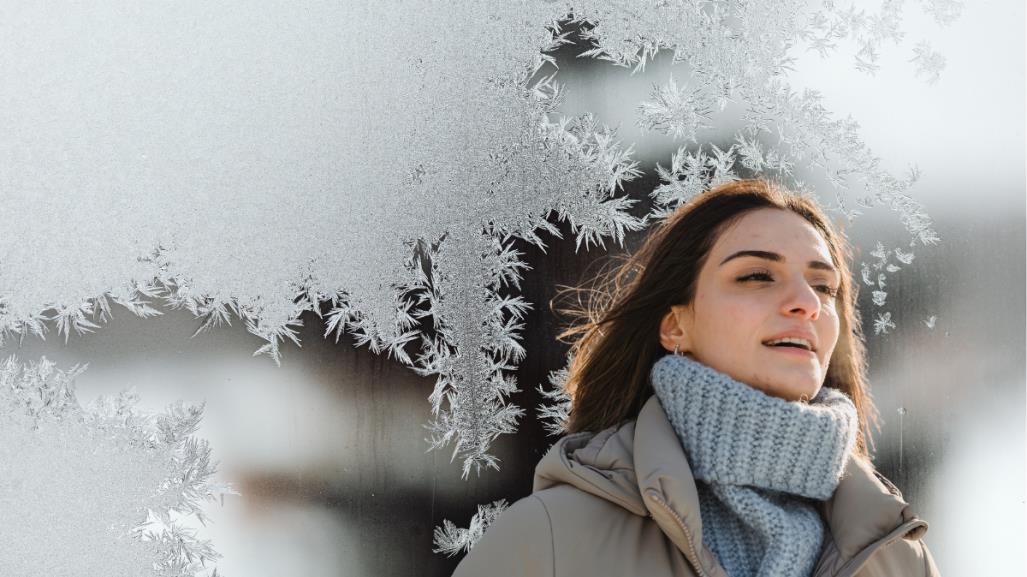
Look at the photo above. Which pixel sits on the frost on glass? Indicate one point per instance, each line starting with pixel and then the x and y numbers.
pixel 554 411
pixel 450 539
pixel 735 59
pixel 375 164
pixel 929 63
pixel 875 276
pixel 368 168
pixel 101 489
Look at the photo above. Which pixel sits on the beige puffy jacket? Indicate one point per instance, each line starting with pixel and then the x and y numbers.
pixel 624 502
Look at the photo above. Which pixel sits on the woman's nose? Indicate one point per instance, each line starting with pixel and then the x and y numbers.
pixel 803 300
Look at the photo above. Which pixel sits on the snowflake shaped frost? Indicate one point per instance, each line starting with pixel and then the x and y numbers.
pixel 450 539
pixel 929 63
pixel 100 490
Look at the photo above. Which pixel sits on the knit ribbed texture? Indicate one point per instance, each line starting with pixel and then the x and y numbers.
pixel 758 461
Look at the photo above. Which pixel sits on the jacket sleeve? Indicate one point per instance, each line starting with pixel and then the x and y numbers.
pixel 905 557
pixel 519 543
pixel 930 569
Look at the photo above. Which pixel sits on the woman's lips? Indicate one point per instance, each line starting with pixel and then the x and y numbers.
pixel 794 351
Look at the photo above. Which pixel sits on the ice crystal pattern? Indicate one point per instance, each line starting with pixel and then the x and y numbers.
pixel 397 232
pixel 98 490
pixel 450 539
pixel 554 411
pixel 264 187
pixel 929 63
pixel 945 12
pixel 883 323
pixel 875 275
pixel 732 61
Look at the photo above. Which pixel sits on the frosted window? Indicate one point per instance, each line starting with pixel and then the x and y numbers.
pixel 390 173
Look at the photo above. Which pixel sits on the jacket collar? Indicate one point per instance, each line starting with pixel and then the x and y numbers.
pixel 642 467
pixel 662 471
pixel 864 508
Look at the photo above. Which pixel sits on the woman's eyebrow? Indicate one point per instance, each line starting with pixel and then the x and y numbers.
pixel 817 264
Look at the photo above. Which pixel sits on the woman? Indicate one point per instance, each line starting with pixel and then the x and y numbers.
pixel 718 414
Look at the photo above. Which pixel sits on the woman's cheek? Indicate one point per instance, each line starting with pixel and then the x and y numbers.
pixel 738 315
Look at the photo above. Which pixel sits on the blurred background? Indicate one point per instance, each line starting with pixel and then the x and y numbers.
pixel 328 451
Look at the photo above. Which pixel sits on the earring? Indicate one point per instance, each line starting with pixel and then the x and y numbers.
pixel 676 349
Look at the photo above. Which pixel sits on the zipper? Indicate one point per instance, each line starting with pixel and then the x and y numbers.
pixel 692 555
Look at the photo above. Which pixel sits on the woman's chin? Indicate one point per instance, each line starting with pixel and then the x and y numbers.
pixel 793 390
pixel 792 382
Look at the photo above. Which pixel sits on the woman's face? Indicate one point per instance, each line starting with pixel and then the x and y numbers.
pixel 742 301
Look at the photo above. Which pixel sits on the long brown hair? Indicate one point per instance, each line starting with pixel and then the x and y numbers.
pixel 617 343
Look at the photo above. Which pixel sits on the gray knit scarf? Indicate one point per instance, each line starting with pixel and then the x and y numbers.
pixel 758 461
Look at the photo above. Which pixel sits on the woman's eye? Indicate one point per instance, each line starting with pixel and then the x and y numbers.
pixel 756 276
pixel 828 290
pixel 765 277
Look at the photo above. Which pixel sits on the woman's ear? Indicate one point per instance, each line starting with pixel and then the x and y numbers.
pixel 673 329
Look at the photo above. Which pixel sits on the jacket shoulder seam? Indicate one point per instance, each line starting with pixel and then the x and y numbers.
pixel 606 494
pixel 552 538
pixel 606 498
